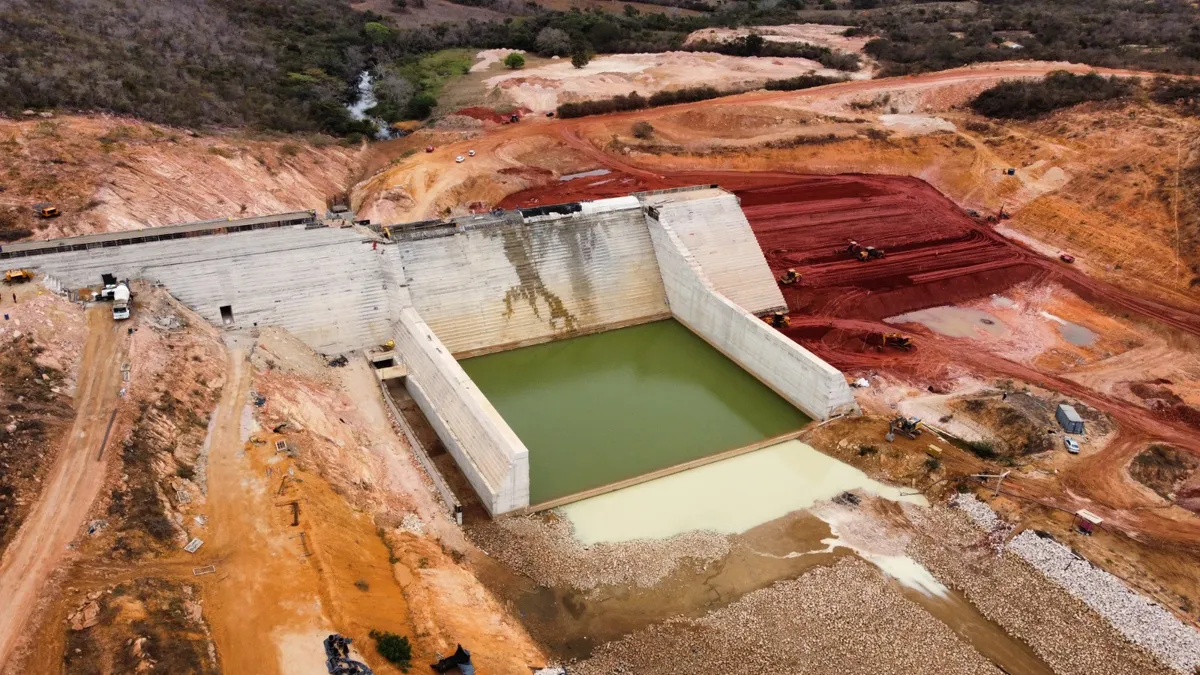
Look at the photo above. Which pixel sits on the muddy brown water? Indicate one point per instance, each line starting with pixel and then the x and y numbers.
pixel 570 623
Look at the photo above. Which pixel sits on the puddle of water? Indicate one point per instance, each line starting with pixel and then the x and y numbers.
pixel 1001 301
pixel 585 174
pixel 958 322
pixel 1077 335
pixel 730 496
pixel 1080 336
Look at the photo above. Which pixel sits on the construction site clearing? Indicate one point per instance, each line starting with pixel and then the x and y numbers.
pixel 252 479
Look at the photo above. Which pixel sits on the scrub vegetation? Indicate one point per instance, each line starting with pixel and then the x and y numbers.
pixel 293 66
pixel 1021 99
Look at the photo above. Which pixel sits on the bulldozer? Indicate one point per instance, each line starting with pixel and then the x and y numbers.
pixel 778 320
pixel 17 276
pixel 789 277
pixel 870 253
pixel 388 346
pixel 897 340
pixel 46 210
pixel 909 427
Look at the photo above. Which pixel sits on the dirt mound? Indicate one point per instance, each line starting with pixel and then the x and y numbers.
pixel 488 115
pixel 1164 469
pixel 109 174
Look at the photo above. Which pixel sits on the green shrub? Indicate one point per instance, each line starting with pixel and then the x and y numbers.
pixel 394 648
pixel 982 449
pixel 514 61
pixel 643 130
pixel 1019 99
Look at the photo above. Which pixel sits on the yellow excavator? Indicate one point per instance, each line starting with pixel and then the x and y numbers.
pixel 789 277
pixel 778 320
pixel 17 276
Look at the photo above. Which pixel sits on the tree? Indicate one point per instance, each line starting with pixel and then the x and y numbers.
pixel 604 36
pixel 581 54
pixel 514 61
pixel 754 44
pixel 394 648
pixel 377 33
pixel 631 11
pixel 421 105
pixel 643 130
pixel 553 42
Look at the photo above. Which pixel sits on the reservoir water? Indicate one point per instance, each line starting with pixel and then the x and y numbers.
pixel 597 409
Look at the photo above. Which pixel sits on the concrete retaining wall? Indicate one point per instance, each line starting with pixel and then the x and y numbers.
pixel 487 451
pixel 325 286
pixel 711 224
pixel 509 284
pixel 793 372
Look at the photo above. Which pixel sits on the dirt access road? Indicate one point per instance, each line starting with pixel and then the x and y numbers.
pixel 74 481
pixel 514 157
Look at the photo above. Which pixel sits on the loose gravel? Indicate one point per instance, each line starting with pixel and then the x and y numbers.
pixel 1125 633
pixel 1142 621
pixel 1071 638
pixel 543 548
pixel 841 619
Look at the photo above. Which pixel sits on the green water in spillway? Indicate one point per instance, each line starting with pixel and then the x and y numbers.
pixel 601 408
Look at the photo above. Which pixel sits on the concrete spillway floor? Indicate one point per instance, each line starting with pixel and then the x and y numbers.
pixel 602 408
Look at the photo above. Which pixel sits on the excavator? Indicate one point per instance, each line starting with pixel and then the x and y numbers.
pixel 778 320
pixel 789 277
pixel 17 276
pixel 910 427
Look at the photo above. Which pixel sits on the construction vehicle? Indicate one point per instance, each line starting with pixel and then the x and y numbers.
pixel 778 320
pixel 388 346
pixel 17 276
pixel 863 253
pixel 870 253
pixel 910 427
pixel 789 277
pixel 387 232
pixel 429 148
pixel 46 210
pixel 1066 257
pixel 897 340
pixel 121 297
pixel 514 118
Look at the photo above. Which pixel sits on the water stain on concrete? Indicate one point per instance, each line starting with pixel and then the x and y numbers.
pixel 519 249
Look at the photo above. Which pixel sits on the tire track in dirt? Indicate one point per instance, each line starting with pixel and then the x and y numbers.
pixel 74 482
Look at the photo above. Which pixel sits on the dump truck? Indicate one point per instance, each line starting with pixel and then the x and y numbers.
pixel 17 276
pixel 121 297
pixel 46 210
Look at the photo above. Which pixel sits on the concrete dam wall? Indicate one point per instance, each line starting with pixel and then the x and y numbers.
pixel 445 290
pixel 795 373
pixel 326 286
pixel 498 285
